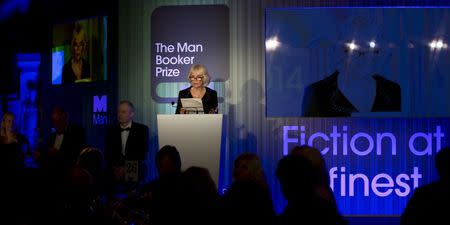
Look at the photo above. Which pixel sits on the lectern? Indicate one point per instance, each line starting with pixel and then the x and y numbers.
pixel 196 136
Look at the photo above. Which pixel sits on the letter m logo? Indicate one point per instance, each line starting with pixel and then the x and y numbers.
pixel 100 103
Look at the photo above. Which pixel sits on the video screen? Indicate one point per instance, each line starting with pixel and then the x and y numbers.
pixel 79 51
pixel 357 62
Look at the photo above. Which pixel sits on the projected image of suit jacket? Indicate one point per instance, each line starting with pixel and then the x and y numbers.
pixel 324 99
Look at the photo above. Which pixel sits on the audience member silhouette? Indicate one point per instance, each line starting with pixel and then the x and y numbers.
pixel 430 203
pixel 168 161
pixel 319 165
pixel 167 193
pixel 82 203
pixel 302 184
pixel 92 160
pixel 248 200
pixel 202 199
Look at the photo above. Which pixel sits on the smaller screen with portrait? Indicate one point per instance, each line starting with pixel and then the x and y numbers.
pixel 79 51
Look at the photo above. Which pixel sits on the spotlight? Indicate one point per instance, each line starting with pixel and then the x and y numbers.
pixel 432 44
pixel 372 44
pixel 437 44
pixel 352 46
pixel 272 44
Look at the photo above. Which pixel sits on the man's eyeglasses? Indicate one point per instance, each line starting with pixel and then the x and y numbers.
pixel 199 78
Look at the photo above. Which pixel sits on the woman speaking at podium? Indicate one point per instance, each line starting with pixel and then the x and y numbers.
pixel 199 79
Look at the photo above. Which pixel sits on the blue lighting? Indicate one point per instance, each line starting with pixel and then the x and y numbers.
pixel 26 107
pixel 9 7
pixel 57 66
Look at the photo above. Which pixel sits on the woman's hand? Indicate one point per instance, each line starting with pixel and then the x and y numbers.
pixel 214 110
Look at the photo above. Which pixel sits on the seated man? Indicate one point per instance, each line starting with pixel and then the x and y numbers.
pixel 430 204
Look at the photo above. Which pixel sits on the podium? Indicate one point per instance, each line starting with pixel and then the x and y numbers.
pixel 196 136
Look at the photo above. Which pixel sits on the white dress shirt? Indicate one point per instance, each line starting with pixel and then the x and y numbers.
pixel 124 135
pixel 58 141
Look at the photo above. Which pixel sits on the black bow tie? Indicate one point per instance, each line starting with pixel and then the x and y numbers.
pixel 125 129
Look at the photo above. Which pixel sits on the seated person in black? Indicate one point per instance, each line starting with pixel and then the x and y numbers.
pixel 430 203
pixel 199 79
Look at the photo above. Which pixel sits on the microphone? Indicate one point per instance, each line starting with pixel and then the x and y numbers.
pixel 173 104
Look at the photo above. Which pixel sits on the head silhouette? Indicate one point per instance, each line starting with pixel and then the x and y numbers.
pixel 168 160
pixel 442 162
pixel 316 159
pixel 298 177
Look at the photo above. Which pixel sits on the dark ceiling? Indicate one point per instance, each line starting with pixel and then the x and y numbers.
pixel 28 29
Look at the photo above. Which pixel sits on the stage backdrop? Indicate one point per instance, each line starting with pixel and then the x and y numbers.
pixel 383 67
pixel 375 163
pixel 183 36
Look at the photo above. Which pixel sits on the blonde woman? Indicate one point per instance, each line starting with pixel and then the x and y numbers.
pixel 8 133
pixel 248 200
pixel 77 68
pixel 13 144
pixel 198 77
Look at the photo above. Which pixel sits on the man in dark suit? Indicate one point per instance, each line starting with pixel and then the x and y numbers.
pixel 64 144
pixel 57 157
pixel 430 203
pixel 126 142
